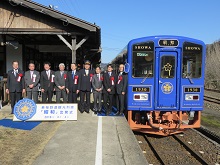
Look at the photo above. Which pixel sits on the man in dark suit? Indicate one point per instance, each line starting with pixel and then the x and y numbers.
pixel 121 89
pixel 72 84
pixel 32 78
pixel 60 83
pixel 85 78
pixel 47 83
pixel 97 86
pixel 109 89
pixel 15 84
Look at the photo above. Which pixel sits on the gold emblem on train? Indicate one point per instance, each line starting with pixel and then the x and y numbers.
pixel 167 87
pixel 167 68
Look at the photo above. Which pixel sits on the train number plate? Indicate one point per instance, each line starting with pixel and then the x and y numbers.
pixel 141 89
pixel 192 89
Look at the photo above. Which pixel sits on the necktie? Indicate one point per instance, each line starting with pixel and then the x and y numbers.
pixel 61 73
pixel 73 74
pixel 48 74
pixel 31 74
pixel 15 72
pixel 119 74
pixel 98 76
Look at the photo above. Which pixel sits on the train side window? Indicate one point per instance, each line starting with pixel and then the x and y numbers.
pixel 167 67
pixel 143 59
pixel 143 64
pixel 192 60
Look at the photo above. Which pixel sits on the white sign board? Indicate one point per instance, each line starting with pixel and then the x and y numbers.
pixel 52 112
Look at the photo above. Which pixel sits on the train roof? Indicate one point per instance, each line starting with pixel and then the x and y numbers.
pixel 157 37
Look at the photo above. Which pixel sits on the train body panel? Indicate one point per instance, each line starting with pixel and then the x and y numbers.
pixel 167 90
pixel 165 83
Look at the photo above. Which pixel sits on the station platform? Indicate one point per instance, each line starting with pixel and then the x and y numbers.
pixel 93 140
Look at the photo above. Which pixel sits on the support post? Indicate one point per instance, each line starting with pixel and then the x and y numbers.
pixel 73 49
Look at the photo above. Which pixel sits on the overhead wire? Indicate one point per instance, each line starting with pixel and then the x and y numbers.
pixel 74 5
pixel 67 5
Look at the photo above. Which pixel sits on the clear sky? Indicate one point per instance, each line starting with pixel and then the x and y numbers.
pixel 123 20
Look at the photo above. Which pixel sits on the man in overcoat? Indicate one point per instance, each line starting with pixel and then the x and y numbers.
pixel 47 83
pixel 121 89
pixel 15 84
pixel 72 84
pixel 85 79
pixel 109 89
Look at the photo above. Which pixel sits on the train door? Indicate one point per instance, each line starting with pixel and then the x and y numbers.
pixel 166 93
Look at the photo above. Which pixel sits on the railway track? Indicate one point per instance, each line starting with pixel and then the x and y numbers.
pixel 186 148
pixel 208 134
pixel 174 150
pixel 212 99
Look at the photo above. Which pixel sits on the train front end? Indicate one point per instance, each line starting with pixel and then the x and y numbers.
pixel 165 84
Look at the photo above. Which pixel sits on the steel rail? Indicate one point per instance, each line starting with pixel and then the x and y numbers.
pixel 193 153
pixel 208 134
pixel 212 99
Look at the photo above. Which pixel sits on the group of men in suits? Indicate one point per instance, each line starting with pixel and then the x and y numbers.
pixel 19 82
pixel 114 85
pixel 68 85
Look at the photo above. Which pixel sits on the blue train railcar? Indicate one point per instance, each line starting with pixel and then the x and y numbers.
pixel 165 83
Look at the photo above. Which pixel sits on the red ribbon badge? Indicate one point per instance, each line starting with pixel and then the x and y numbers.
pixel 112 80
pixel 76 79
pixel 101 78
pixel 52 78
pixel 34 77
pixel 91 77
pixel 19 77
pixel 119 79
pixel 64 76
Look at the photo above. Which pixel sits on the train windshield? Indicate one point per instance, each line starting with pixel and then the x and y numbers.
pixel 143 60
pixel 192 60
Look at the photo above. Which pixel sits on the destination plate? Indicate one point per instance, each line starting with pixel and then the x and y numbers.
pixel 169 42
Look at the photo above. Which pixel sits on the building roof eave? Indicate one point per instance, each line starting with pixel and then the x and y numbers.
pixel 57 14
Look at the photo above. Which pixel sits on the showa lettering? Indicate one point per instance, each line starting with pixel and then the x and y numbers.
pixel 91 77
pixel 119 79
pixel 112 80
pixel 19 77
pixel 76 79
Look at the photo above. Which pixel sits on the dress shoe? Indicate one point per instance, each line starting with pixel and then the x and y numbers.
pixel 81 110
pixel 107 113
pixel 87 111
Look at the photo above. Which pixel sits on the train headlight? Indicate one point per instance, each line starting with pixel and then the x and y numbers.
pixel 140 96
pixel 191 97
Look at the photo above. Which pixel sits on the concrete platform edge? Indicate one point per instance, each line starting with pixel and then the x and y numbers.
pixel 132 153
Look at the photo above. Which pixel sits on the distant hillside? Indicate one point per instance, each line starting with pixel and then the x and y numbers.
pixel 103 65
pixel 212 79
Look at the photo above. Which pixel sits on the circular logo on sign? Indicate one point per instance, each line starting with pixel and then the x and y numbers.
pixel 167 87
pixel 25 109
